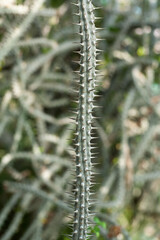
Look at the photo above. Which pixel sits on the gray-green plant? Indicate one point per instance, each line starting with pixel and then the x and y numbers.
pixel 84 120
pixel 37 87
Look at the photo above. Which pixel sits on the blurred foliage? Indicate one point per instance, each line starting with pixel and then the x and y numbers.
pixel 55 3
pixel 37 78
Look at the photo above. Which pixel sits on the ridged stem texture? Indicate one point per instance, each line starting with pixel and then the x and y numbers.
pixel 87 78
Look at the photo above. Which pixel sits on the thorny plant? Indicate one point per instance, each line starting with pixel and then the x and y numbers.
pixel 84 119
pixel 37 80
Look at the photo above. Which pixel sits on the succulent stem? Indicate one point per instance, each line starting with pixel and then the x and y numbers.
pixel 87 79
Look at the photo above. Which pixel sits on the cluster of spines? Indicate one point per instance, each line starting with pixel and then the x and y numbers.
pixel 84 121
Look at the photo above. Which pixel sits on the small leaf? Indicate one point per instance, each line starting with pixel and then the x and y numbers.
pixel 115 161
pixel 103 224
pixel 141 51
pixel 96 219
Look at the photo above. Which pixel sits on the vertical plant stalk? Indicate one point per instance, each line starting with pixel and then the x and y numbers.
pixel 84 119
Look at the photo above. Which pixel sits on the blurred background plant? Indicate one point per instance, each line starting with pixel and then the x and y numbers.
pixel 37 64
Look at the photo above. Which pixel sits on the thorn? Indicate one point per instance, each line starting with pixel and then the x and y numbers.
pixel 75 4
pixel 98 18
